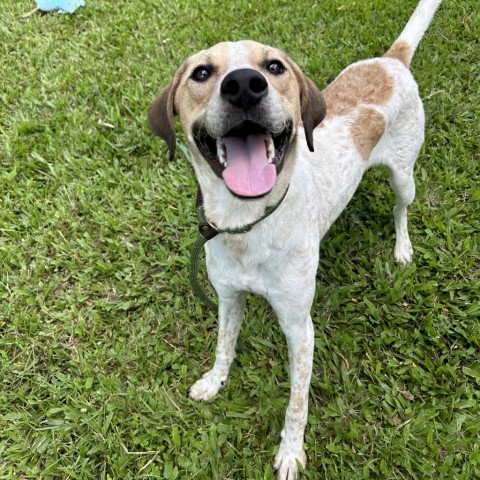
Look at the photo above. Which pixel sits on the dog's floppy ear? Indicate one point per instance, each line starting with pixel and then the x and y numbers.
pixel 313 108
pixel 161 113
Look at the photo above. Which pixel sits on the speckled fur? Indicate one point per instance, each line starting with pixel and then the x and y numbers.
pixel 379 121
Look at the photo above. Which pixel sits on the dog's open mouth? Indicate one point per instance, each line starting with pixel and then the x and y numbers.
pixel 248 157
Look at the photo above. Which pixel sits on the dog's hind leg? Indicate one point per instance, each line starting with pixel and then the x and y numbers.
pixel 403 185
pixel 230 314
pixel 398 151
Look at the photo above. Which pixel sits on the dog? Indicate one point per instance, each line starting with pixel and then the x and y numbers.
pixel 262 136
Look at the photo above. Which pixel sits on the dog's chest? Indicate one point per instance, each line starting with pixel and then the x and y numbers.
pixel 245 262
pixel 268 260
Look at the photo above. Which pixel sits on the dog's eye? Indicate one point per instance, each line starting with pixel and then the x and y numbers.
pixel 200 74
pixel 275 67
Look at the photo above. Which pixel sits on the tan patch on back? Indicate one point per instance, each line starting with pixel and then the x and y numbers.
pixel 367 130
pixel 366 83
pixel 402 51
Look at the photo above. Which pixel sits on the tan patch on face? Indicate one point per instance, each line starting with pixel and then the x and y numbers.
pixel 300 97
pixel 258 53
pixel 360 84
pixel 400 50
pixel 367 130
pixel 286 84
pixel 192 97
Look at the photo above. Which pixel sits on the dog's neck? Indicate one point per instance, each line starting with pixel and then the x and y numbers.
pixel 208 230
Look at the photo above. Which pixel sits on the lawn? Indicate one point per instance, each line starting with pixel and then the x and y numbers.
pixel 100 334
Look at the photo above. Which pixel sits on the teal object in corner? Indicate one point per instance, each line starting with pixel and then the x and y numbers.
pixel 63 6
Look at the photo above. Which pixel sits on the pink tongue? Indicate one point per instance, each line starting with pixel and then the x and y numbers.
pixel 248 172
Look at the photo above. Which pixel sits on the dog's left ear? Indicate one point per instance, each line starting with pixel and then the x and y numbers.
pixel 313 108
pixel 161 113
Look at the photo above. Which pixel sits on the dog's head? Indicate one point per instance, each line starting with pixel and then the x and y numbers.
pixel 240 105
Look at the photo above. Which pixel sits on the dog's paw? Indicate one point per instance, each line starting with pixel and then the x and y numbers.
pixel 207 387
pixel 286 464
pixel 403 252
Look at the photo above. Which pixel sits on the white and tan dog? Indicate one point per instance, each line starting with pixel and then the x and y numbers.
pixel 256 126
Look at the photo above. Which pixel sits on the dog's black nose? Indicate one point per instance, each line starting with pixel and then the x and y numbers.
pixel 244 88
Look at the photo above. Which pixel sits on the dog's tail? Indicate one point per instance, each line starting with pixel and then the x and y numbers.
pixel 405 45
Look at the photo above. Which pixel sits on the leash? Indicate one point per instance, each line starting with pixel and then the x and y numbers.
pixel 208 231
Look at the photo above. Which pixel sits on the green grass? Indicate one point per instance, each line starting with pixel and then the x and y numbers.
pixel 100 335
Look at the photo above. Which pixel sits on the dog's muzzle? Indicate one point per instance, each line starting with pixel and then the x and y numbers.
pixel 248 156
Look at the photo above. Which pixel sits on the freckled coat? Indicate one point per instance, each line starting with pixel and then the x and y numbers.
pixel 370 114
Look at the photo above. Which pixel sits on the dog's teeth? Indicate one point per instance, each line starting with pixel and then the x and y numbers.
pixel 270 147
pixel 221 153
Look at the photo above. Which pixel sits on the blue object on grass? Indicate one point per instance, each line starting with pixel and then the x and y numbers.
pixel 63 6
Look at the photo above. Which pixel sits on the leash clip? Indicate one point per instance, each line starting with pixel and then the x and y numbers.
pixel 207 230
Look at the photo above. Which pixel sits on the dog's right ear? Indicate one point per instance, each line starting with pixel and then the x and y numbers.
pixel 160 118
pixel 161 113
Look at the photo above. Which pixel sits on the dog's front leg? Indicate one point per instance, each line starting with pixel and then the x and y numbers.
pixel 300 339
pixel 230 314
